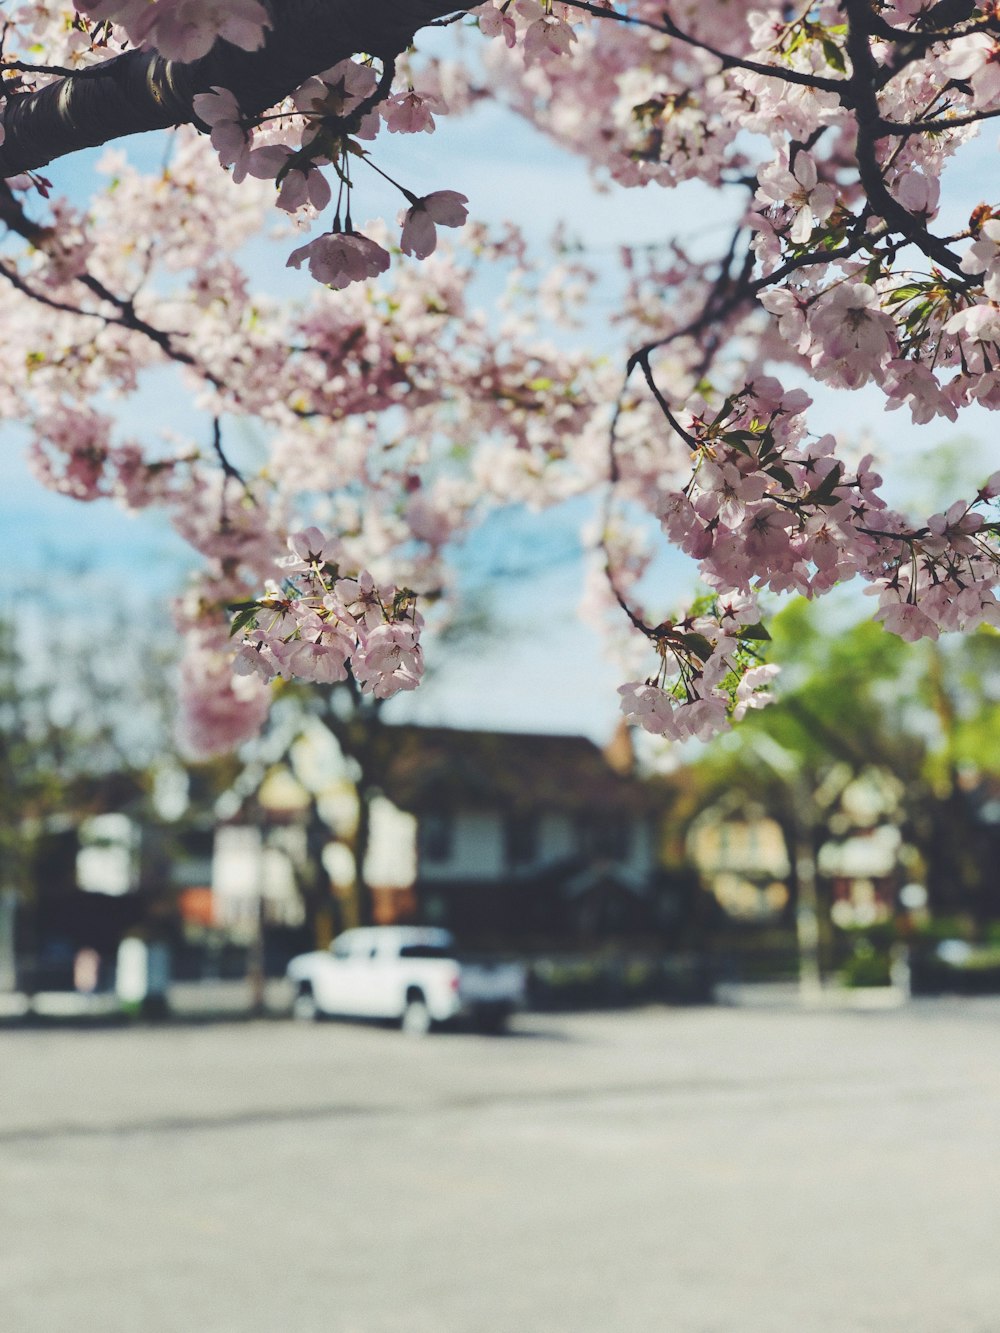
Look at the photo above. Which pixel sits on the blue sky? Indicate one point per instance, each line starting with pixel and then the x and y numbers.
pixel 543 670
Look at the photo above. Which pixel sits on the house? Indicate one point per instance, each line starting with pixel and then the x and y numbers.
pixel 741 856
pixel 514 836
pixel 849 833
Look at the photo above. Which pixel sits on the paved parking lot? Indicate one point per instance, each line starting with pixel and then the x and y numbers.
pixel 712 1170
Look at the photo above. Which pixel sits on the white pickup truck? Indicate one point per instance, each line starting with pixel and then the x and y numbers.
pixel 407 973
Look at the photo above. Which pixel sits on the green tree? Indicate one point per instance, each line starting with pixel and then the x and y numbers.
pixel 862 700
pixel 81 732
pixel 32 775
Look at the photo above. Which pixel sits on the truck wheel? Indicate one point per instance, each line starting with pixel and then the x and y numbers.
pixel 416 1020
pixel 304 1006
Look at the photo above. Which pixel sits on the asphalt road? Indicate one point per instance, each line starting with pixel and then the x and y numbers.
pixel 709 1170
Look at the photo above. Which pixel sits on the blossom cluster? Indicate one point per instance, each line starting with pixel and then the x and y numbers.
pixel 317 625
pixel 183 30
pixel 710 671
pixel 327 117
pixel 767 507
pixel 541 30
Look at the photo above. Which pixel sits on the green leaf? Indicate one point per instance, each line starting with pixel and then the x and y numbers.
pixel 905 293
pixel 244 618
pixel 698 645
pixel 781 474
pixel 823 494
pixel 756 632
pixel 738 445
pixel 834 55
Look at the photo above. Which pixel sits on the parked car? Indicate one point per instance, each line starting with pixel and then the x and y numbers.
pixel 410 974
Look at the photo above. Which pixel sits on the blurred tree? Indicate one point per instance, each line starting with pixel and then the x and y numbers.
pixel 860 699
pixel 354 719
pixel 81 732
pixel 32 776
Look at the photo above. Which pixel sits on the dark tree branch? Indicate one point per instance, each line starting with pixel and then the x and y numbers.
pixel 728 61
pixel 864 79
pixel 139 91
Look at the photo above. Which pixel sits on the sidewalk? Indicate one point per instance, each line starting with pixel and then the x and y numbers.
pixel 790 995
pixel 228 999
pixel 187 1001
pixel 222 1001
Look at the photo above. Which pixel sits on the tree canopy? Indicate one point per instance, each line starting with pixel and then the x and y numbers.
pixel 926 719
pixel 395 414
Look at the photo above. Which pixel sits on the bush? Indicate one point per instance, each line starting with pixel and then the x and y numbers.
pixel 867 966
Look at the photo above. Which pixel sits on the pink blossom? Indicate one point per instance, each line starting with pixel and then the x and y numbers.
pixel 918 193
pixel 751 692
pixel 906 619
pixel 338 91
pixel 851 335
pixel 362 599
pixel 495 23
pixel 977 59
pixel 984 256
pixel 394 417
pixel 302 188
pixel 322 662
pixel 218 711
pixel 308 548
pixel 444 208
pixel 547 36
pixel 257 657
pixel 339 258
pixel 219 110
pixel 185 30
pixel 649 707
pixel 799 189
pixel 412 113
pixel 389 659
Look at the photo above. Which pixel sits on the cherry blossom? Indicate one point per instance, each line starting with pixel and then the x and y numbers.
pixel 412 113
pixel 339 258
pixel 393 414
pixel 184 30
pixel 444 208
pixel 496 22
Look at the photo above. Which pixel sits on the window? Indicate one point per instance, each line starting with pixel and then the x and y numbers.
pixel 425 951
pixel 608 837
pixel 437 837
pixel 521 839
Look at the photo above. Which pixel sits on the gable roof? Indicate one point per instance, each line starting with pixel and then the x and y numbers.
pixel 440 768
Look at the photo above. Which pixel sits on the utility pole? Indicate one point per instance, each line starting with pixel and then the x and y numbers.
pixel 8 924
pixel 256 962
pixel 807 914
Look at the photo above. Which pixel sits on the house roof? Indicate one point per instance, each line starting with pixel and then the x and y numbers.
pixel 444 769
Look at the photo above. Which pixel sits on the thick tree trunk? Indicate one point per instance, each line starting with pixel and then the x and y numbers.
pixel 363 896
pixel 324 916
pixel 138 91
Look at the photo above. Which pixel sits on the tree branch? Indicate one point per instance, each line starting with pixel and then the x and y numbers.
pixel 670 29
pixel 864 79
pixel 140 91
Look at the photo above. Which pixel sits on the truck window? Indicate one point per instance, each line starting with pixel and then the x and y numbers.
pixel 424 951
